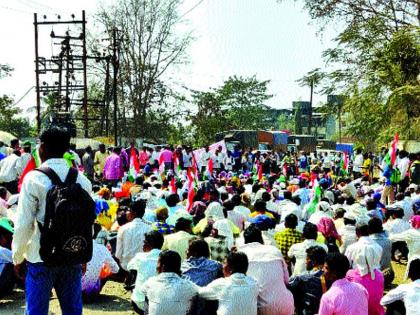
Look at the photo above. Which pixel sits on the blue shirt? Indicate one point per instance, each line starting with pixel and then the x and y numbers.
pixel 201 271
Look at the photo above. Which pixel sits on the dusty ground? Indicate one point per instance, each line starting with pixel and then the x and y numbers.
pixel 114 300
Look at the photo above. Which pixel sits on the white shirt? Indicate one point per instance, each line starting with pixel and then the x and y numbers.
pixel 130 239
pixel 237 294
pixel 22 163
pixel 348 237
pixel 396 226
pixel 412 238
pixel 100 257
pixel 145 265
pixel 403 166
pixel 358 162
pixel 237 218
pixel 31 208
pixel 8 169
pixel 242 210
pixel 299 252
pixel 409 293
pixel 407 207
pixel 355 248
pixel 267 266
pixel 204 158
pixel 169 294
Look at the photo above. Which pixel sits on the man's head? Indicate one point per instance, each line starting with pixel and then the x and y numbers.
pixel 414 270
pixel 315 257
pixel 55 141
pixel 375 226
pixel 169 261
pixel 310 231
pixel 162 213
pixel 183 224
pixel 336 266
pixel 253 234
pixel 198 248
pixel 152 240
pixel 27 147
pixel 370 204
pixel 102 148
pixel 137 208
pixel 362 230
pixel 291 221
pixel 14 144
pixel 172 200
pixel 236 262
pixel 260 205
pixel 88 149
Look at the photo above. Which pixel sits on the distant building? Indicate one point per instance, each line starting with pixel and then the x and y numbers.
pixel 323 126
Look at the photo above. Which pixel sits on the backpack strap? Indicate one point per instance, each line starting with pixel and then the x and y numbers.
pixel 51 175
pixel 71 177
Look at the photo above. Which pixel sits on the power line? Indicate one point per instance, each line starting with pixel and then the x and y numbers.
pixel 16 10
pixel 27 92
pixel 192 8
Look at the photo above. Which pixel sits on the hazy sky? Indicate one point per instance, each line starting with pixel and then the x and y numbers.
pixel 275 41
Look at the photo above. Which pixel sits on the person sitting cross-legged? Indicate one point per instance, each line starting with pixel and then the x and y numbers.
pixel 167 293
pixel 237 293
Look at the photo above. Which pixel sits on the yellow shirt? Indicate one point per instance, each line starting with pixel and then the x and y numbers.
pixel 100 161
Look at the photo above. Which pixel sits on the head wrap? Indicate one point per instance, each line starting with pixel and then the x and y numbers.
pixel 415 222
pixel 323 206
pixel 214 211
pixel 327 228
pixel 223 229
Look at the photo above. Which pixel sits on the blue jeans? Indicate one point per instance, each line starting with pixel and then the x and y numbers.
pixel 67 282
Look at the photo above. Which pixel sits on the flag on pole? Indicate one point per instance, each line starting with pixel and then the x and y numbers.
pixel 260 174
pixel 161 164
pixel 210 166
pixel 191 190
pixel 33 163
pixel 391 157
pixel 177 165
pixel 173 186
pixel 134 162
pixel 316 198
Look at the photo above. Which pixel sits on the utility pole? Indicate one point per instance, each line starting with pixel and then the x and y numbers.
pixel 310 108
pixel 84 62
pixel 38 99
pixel 115 65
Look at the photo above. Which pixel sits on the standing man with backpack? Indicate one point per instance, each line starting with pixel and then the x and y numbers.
pixel 53 231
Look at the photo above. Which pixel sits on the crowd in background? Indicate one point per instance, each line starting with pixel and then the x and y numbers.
pixel 232 232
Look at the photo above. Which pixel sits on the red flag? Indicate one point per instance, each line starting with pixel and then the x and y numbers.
pixel 173 187
pixel 210 166
pixel 260 174
pixel 29 167
pixel 134 161
pixel 191 191
pixel 393 150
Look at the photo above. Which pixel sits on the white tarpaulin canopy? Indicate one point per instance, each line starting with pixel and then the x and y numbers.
pixel 6 137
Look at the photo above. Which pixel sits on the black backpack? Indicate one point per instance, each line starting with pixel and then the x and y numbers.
pixel 66 235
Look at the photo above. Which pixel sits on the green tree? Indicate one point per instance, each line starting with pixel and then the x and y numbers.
pixel 238 104
pixel 374 63
pixel 9 120
pixel 284 122
pixel 152 43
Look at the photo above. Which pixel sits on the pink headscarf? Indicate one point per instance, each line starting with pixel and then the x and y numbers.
pixel 327 228
pixel 415 221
